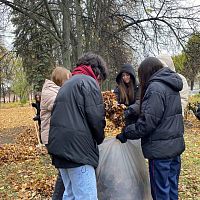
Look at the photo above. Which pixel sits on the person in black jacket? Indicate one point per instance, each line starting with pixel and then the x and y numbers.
pixel 128 93
pixel 77 127
pixel 197 113
pixel 160 127
pixel 36 105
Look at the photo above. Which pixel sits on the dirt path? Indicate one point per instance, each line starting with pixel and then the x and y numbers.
pixel 11 125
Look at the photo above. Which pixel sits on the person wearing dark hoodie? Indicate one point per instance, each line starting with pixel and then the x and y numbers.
pixel 128 93
pixel 36 105
pixel 77 127
pixel 197 113
pixel 160 127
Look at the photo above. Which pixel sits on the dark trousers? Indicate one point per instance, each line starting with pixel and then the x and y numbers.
pixel 164 176
pixel 59 188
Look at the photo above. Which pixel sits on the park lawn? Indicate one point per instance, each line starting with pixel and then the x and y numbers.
pixel 26 171
pixel 190 173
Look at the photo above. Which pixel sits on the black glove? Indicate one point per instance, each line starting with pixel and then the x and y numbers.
pixel 36 118
pixel 33 105
pixel 121 138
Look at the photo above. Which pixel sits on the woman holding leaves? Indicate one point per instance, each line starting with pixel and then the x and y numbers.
pixel 128 93
pixel 121 173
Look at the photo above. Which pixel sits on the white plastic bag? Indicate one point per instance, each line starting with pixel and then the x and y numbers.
pixel 122 173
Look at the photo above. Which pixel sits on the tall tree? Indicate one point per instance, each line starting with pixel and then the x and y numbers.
pixel 35 46
pixel 6 71
pixel 20 84
pixel 179 62
pixel 192 64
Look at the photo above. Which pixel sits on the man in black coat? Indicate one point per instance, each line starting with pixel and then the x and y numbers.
pixel 77 127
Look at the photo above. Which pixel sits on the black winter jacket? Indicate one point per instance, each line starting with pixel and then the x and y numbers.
pixel 77 123
pixel 36 105
pixel 197 114
pixel 160 125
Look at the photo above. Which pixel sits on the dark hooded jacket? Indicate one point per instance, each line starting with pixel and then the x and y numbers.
pixel 160 125
pixel 133 108
pixel 197 114
pixel 77 123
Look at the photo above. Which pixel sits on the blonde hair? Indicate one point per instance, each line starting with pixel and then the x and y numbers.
pixel 60 75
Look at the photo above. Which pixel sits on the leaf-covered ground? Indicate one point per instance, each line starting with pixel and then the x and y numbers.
pixel 26 171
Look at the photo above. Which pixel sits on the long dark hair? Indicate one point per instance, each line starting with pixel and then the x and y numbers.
pixel 147 68
pixel 126 91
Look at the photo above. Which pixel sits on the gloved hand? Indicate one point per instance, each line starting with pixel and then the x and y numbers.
pixel 33 104
pixel 36 118
pixel 121 138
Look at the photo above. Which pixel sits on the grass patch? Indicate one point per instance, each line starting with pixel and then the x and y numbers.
pixel 13 105
pixel 27 179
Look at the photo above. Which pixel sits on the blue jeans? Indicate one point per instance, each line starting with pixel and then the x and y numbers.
pixel 80 183
pixel 164 176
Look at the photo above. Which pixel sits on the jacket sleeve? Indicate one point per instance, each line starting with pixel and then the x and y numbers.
pixel 95 112
pixel 50 101
pixel 184 93
pixel 152 111
pixel 134 109
pixel 116 92
pixel 47 101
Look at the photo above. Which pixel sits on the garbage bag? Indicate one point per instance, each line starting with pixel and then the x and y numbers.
pixel 122 171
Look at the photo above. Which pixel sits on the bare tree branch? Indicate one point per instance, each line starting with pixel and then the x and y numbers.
pixel 52 18
pixel 31 15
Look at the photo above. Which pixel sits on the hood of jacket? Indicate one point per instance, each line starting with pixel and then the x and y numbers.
pixel 168 77
pixel 128 68
pixel 167 61
pixel 50 85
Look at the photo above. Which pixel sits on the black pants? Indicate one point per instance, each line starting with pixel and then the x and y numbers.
pixel 59 188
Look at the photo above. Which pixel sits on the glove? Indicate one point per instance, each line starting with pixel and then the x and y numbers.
pixel 33 105
pixel 36 118
pixel 121 138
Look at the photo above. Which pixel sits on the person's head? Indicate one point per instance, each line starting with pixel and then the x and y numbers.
pixel 38 96
pixel 126 81
pixel 167 61
pixel 97 64
pixel 126 75
pixel 147 68
pixel 60 75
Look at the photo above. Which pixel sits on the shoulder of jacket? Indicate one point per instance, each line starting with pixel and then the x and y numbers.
pixel 87 83
pixel 156 87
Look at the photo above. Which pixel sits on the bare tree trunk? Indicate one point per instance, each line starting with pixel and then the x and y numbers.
pixel 79 28
pixel 88 28
pixel 9 96
pixel 66 52
pixel 14 98
pixel 192 85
